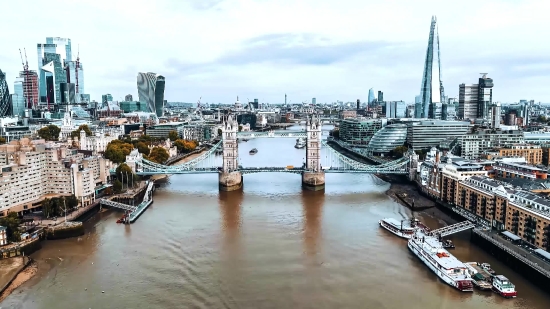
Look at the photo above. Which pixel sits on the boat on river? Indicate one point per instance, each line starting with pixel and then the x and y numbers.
pixel 430 251
pixel 253 151
pixel 300 143
pixel 480 277
pixel 503 287
pixel 402 228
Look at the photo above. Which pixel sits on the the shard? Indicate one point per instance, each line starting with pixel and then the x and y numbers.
pixel 431 91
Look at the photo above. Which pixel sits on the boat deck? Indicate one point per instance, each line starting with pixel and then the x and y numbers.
pixel 433 247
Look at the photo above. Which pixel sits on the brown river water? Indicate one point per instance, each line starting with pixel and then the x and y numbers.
pixel 270 246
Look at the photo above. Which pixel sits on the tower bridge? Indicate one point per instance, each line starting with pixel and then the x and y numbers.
pixel 320 159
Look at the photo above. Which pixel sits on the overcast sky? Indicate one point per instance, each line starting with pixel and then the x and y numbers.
pixel 328 49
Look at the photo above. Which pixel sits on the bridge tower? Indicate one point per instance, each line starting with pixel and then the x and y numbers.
pixel 230 178
pixel 314 177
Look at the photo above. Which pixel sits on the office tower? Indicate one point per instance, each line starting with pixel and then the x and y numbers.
pixel 68 93
pixel 475 100
pixel 484 96
pixel 151 91
pixel 53 68
pixel 372 99
pixel 72 71
pixel 391 109
pixel 128 98
pixel 495 113
pixel 106 98
pixel 18 98
pixel 61 47
pixel 526 114
pixel 314 101
pixel 380 96
pixel 285 98
pixel 30 88
pixel 431 90
pixel 417 106
pixel 358 104
pixel 467 101
pixel 5 98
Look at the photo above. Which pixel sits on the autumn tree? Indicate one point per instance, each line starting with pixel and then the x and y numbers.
pixel 220 132
pixel 76 133
pixel 158 155
pixel 50 132
pixel 240 128
pixel 117 186
pixel 142 148
pixel 185 146
pixel 117 151
pixel 11 222
pixel 2 140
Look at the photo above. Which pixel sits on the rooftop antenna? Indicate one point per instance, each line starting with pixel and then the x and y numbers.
pixel 483 75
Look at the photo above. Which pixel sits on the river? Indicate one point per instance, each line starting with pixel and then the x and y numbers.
pixel 270 246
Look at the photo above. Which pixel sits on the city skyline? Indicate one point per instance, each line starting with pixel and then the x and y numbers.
pixel 332 60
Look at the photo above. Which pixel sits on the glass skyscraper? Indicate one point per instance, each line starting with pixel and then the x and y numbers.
pixel 151 92
pixel 431 90
pixel 371 96
pixel 18 99
pixel 46 54
pixel 5 98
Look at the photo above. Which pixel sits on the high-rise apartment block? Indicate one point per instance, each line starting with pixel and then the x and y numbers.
pixel 151 91
pixel 33 169
pixel 431 91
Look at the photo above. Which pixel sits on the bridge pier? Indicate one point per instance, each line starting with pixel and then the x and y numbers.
pixel 230 181
pixel 313 181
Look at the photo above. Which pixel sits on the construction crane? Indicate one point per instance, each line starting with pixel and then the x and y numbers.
pixel 76 68
pixel 26 80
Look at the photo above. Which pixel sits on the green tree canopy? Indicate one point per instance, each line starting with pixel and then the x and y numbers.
pixel 220 132
pixel 399 151
pixel 124 169
pixel 76 133
pixel 49 133
pixel 11 222
pixel 117 186
pixel 158 155
pixel 173 135
pixel 56 206
pixel 240 128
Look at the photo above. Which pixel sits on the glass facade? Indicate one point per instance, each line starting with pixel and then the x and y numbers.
pixel 151 92
pixel 371 96
pixel 431 90
pixel 5 98
pixel 18 98
pixel 360 131
pixel 428 134
pixel 389 137
pixel 132 106
pixel 59 75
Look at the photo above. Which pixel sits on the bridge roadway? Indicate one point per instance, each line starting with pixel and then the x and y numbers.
pixel 253 170
pixel 271 134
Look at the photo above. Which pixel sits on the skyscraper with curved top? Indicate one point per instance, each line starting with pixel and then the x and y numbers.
pixel 151 92
pixel 431 90
pixel 5 99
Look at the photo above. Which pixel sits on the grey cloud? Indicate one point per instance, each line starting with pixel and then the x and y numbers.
pixel 303 49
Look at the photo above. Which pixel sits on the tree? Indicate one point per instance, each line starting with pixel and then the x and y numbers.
pixel 185 146
pixel 399 151
pixel 49 133
pixel 173 135
pixel 124 169
pixel 542 119
pixel 76 133
pixel 117 151
pixel 158 155
pixel 142 148
pixel 240 128
pixel 11 222
pixel 117 186
pixel 335 133
pixel 2 140
pixel 220 132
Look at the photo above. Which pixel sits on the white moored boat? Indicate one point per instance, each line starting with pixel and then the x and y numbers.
pixel 448 268
pixel 504 287
pixel 401 228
